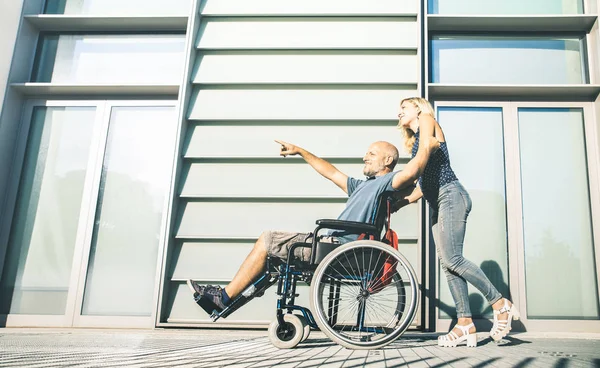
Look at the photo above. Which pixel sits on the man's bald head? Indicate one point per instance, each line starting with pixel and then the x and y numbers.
pixel 389 150
pixel 380 159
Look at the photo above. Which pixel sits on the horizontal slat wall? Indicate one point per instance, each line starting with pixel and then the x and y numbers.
pixel 309 7
pixel 297 102
pixel 224 218
pixel 342 66
pixel 329 139
pixel 327 76
pixel 308 33
pixel 282 178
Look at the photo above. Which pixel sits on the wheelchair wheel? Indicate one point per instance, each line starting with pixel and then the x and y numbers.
pixel 364 295
pixel 306 331
pixel 289 335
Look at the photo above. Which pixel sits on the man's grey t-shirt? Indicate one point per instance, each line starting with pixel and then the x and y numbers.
pixel 362 201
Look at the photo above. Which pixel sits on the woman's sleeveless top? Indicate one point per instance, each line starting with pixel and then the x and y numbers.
pixel 437 172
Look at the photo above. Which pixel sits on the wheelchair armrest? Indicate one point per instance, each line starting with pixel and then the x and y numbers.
pixel 351 226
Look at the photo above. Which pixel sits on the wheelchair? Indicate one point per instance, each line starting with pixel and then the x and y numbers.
pixel 363 294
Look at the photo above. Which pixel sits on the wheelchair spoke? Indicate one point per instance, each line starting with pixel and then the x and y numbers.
pixel 380 282
pixel 381 308
pixel 363 283
pixel 351 307
pixel 346 295
pixel 396 282
pixel 372 274
pixel 377 297
pixel 363 261
pixel 349 264
pixel 369 265
pixel 349 289
pixel 380 303
pixel 391 303
pixel 337 277
pixel 376 315
pixel 339 273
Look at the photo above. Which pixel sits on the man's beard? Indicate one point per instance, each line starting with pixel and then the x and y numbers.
pixel 372 170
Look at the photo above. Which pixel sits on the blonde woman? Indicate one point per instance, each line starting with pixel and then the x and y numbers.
pixel 450 204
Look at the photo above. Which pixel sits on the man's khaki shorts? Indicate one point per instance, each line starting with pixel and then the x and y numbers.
pixel 278 244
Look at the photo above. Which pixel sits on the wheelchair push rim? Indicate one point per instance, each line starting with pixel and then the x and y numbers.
pixel 364 295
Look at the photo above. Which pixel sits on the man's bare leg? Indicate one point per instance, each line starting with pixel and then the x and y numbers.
pixel 252 267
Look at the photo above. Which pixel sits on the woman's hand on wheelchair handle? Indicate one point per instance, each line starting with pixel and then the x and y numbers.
pixel 415 195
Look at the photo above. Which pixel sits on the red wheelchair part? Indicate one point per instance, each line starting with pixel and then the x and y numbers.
pixel 389 267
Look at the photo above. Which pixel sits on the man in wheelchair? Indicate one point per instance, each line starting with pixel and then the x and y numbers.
pixel 380 160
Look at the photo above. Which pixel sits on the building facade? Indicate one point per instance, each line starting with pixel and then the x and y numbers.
pixel 162 115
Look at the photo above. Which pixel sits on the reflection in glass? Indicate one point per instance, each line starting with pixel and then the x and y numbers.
pixel 476 143
pixel 505 7
pixel 104 59
pixel 37 270
pixel 118 7
pixel 134 184
pixel 502 60
pixel 560 273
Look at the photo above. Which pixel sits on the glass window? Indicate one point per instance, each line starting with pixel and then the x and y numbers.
pixel 38 266
pixel 478 161
pixel 133 187
pixel 560 273
pixel 503 60
pixel 506 7
pixel 89 59
pixel 118 7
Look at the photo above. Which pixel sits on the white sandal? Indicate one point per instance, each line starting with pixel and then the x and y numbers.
pixel 451 339
pixel 501 328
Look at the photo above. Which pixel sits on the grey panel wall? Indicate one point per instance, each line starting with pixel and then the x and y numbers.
pixel 16 58
pixel 328 77
pixel 9 24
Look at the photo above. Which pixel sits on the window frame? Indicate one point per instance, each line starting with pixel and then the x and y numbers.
pixel 514 205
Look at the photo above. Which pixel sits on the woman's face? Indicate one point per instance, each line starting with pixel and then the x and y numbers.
pixel 408 113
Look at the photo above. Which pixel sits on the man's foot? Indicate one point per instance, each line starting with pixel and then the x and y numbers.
pixel 209 297
pixel 195 288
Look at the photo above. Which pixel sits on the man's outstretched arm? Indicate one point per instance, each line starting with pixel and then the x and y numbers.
pixel 321 166
pixel 427 145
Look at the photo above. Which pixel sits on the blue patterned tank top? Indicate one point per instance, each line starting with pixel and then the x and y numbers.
pixel 437 172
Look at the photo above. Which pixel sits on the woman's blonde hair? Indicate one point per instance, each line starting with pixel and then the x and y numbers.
pixel 424 107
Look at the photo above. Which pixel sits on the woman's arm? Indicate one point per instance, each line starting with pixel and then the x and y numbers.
pixel 415 195
pixel 426 135
pixel 427 145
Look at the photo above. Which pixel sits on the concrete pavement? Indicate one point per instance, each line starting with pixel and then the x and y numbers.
pixel 27 347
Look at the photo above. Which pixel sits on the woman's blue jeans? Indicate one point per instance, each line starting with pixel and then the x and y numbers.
pixel 449 223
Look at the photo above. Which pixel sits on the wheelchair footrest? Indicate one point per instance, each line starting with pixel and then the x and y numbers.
pixel 235 305
pixel 255 290
pixel 209 307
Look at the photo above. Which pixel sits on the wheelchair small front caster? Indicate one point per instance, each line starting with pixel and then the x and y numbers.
pixel 306 328
pixel 289 335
